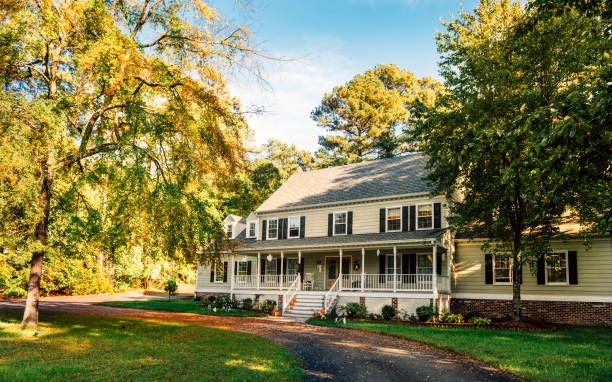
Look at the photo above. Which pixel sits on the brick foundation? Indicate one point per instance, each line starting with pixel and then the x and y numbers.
pixel 394 302
pixel 256 302
pixel 362 300
pixel 279 305
pixel 204 295
pixel 557 312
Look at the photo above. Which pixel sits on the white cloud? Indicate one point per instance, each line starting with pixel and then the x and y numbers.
pixel 294 89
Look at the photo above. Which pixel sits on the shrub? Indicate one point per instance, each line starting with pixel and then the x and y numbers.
pixel 268 306
pixel 388 312
pixel 222 301
pixel 247 304
pixel 197 298
pixel 15 292
pixel 480 321
pixel 452 318
pixel 212 299
pixel 354 310
pixel 425 312
pixel 234 303
pixel 374 316
pixel 468 316
pixel 170 286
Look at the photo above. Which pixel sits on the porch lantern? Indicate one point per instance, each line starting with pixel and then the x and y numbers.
pixel 269 257
pixel 356 265
pixel 244 259
pixel 378 252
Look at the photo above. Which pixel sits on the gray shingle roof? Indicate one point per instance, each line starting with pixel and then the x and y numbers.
pixel 378 178
pixel 334 241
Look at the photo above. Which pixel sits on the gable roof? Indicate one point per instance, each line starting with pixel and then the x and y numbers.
pixel 370 179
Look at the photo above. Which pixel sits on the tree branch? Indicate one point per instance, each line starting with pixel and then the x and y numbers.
pixel 72 159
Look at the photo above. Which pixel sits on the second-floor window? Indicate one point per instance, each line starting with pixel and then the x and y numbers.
pixel 425 216
pixel 252 232
pixel 294 226
pixel 272 228
pixel 228 230
pixel 394 219
pixel 339 223
pixel 502 269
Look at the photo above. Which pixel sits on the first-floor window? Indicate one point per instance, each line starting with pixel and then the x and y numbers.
pixel 502 269
pixel 556 268
pixel 272 228
pixel 270 267
pixel 390 269
pixel 424 265
pixel 340 223
pixel 219 272
pixel 292 266
pixel 242 268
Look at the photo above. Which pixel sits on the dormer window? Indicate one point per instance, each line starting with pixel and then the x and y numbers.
pixel 294 227
pixel 425 216
pixel 272 229
pixel 339 223
pixel 394 219
pixel 252 229
pixel 228 230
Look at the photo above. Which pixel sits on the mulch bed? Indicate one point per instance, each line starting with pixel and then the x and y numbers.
pixel 520 326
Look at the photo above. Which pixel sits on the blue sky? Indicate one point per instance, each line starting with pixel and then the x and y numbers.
pixel 331 41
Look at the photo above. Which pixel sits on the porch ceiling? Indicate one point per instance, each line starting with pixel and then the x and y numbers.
pixel 351 241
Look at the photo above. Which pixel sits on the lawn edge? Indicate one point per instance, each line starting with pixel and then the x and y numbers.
pixel 106 303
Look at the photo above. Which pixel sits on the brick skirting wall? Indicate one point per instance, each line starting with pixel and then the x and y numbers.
pixel 204 295
pixel 557 312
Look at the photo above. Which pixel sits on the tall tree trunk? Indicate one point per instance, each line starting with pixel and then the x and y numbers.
pixel 30 314
pixel 516 278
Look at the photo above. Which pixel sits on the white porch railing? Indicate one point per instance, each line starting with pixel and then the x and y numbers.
pixel 331 296
pixel 265 281
pixel 290 293
pixel 379 282
pixel 245 282
pixel 444 284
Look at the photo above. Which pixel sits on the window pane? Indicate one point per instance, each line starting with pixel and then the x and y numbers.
pixel 272 228
pixel 229 230
pixel 425 216
pixel 219 273
pixel 242 268
pixel 340 218
pixel 503 269
pixel 252 231
pixel 271 267
pixel 424 264
pixel 294 227
pixel 340 223
pixel 394 216
pixel 556 268
pixel 292 266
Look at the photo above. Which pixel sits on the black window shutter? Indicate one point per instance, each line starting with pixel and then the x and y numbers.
pixel 278 266
pixel 349 223
pixel 225 271
pixel 264 226
pixel 439 263
pixel 235 268
pixel 382 267
pixel 285 224
pixel 405 219
pixel 405 264
pixel 212 273
pixel 383 218
pixel 249 265
pixel 330 222
pixel 572 265
pixel 413 262
pixel 412 218
pixel 488 268
pixel 302 226
pixel 541 270
pixel 437 215
pixel 262 267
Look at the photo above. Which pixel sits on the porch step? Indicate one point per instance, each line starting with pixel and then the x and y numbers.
pixel 305 305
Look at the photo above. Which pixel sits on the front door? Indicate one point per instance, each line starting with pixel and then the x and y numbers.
pixel 331 273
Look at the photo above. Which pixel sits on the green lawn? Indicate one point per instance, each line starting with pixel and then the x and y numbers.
pixel 568 354
pixel 74 347
pixel 187 306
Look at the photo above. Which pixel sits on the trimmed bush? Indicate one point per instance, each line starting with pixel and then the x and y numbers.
pixel 452 318
pixel 425 312
pixel 268 306
pixel 388 312
pixel 247 304
pixel 480 321
pixel 222 301
pixel 354 310
pixel 212 299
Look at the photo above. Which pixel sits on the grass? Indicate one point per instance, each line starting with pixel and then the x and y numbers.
pixel 568 354
pixel 185 306
pixel 73 347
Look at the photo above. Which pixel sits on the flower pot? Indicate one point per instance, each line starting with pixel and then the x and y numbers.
pixel 277 314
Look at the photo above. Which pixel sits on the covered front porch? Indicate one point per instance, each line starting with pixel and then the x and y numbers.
pixel 405 267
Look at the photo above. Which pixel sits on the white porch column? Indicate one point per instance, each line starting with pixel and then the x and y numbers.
pixel 340 271
pixel 434 273
pixel 362 268
pixel 258 269
pixel 232 276
pixel 394 269
pixel 299 286
pixel 282 275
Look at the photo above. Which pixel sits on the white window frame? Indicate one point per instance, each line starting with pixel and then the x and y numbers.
pixel 345 223
pixel 215 281
pixel 289 227
pixel 227 228
pixel 387 219
pixel 248 233
pixel 495 282
pixel 270 264
pixel 417 215
pixel 286 271
pixel 268 237
pixel 566 282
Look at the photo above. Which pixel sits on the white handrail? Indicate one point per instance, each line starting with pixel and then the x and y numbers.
pixel 291 292
pixel 330 297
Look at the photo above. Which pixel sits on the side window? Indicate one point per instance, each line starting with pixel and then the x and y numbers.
pixel 502 269
pixel 556 268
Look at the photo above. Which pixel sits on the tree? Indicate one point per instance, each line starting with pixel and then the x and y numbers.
pixel 483 153
pixel 135 84
pixel 287 158
pixel 368 114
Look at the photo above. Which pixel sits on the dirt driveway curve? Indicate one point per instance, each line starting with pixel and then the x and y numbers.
pixel 326 354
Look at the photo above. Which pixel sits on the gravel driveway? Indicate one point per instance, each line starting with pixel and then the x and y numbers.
pixel 326 354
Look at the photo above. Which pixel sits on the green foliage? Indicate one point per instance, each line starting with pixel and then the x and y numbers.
pixel 170 286
pixel 223 301
pixel 268 306
pixel 452 318
pixel 480 321
pixel 354 310
pixel 388 312
pixel 425 313
pixel 247 304
pixel 367 116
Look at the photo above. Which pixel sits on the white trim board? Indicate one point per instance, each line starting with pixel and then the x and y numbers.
pixel 531 297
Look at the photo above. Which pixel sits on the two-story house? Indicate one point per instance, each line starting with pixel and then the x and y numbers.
pixel 371 233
